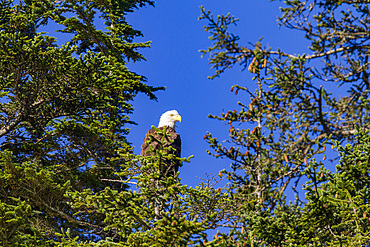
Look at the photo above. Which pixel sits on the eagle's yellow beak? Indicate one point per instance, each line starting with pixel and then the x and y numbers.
pixel 177 118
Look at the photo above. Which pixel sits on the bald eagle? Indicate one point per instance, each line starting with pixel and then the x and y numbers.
pixel 168 121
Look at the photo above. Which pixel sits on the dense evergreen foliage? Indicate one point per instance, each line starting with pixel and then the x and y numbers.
pixel 64 111
pixel 69 176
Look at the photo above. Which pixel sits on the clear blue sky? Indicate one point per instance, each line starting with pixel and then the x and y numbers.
pixel 174 61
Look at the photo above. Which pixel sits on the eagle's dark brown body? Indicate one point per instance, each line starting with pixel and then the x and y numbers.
pixel 169 169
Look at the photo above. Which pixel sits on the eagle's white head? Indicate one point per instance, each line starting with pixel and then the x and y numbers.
pixel 169 118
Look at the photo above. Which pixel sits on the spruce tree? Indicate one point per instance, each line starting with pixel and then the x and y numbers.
pixel 64 113
pixel 288 123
